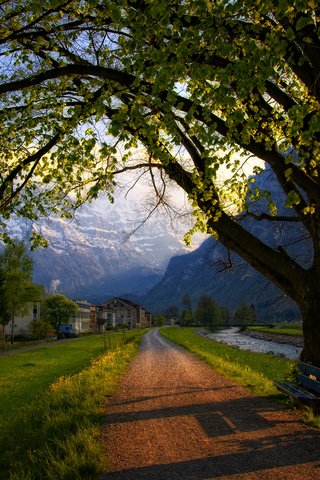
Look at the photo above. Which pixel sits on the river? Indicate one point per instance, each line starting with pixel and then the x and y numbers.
pixel 232 336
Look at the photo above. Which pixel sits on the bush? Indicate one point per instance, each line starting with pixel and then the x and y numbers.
pixel 39 329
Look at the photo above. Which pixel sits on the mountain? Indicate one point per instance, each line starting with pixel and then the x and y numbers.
pixel 212 270
pixel 197 273
pixel 95 256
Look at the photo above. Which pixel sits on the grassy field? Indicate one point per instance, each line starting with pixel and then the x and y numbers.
pixel 286 329
pixel 52 403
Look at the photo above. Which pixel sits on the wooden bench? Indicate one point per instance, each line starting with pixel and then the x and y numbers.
pixel 307 390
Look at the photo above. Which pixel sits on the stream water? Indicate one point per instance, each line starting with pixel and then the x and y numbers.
pixel 232 336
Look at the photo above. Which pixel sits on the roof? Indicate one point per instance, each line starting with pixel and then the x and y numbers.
pixel 124 300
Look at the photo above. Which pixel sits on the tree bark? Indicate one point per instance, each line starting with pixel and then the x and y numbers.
pixel 310 311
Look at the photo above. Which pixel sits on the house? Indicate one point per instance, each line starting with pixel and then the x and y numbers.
pixel 81 322
pixel 102 318
pixel 120 311
pixel 93 318
pixel 21 322
pixel 89 318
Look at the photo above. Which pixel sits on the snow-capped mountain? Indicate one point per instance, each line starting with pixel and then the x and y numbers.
pixel 109 249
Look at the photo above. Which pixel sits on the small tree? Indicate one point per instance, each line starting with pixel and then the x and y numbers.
pixel 159 320
pixel 186 318
pixel 172 312
pixel 207 311
pixel 59 309
pixel 186 302
pixel 245 314
pixel 39 329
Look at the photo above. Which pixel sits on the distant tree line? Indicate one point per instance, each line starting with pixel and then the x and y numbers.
pixel 206 312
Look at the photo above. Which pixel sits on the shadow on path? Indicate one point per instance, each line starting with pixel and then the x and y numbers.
pixel 175 418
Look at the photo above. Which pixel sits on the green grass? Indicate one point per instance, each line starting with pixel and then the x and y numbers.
pixel 287 329
pixel 24 375
pixel 52 408
pixel 256 371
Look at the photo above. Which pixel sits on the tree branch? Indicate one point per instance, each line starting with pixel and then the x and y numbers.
pixel 272 218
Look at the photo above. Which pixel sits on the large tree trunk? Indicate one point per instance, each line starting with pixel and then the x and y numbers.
pixel 310 311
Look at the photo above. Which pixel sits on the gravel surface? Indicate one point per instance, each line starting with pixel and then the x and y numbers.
pixel 174 418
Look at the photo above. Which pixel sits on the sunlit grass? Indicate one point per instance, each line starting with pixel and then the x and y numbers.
pixel 24 375
pixel 55 433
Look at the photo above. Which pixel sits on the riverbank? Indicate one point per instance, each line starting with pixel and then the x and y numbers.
pixel 264 344
pixel 295 340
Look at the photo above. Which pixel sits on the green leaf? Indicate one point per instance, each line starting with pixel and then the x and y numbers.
pixel 292 199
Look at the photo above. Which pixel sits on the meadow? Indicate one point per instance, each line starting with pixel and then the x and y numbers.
pixel 51 406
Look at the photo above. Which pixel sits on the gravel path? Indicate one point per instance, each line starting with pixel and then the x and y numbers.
pixel 174 418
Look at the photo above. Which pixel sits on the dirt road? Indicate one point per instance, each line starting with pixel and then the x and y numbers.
pixel 174 418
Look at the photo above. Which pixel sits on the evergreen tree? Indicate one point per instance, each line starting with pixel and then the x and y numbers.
pixel 159 320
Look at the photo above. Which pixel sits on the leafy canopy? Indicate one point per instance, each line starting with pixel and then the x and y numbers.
pixel 17 289
pixel 196 85
pixel 58 309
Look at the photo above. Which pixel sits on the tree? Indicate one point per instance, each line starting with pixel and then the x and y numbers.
pixel 197 85
pixel 225 315
pixel 159 320
pixel 58 309
pixel 17 289
pixel 172 312
pixel 207 311
pixel 245 314
pixel 187 314
pixel 186 318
